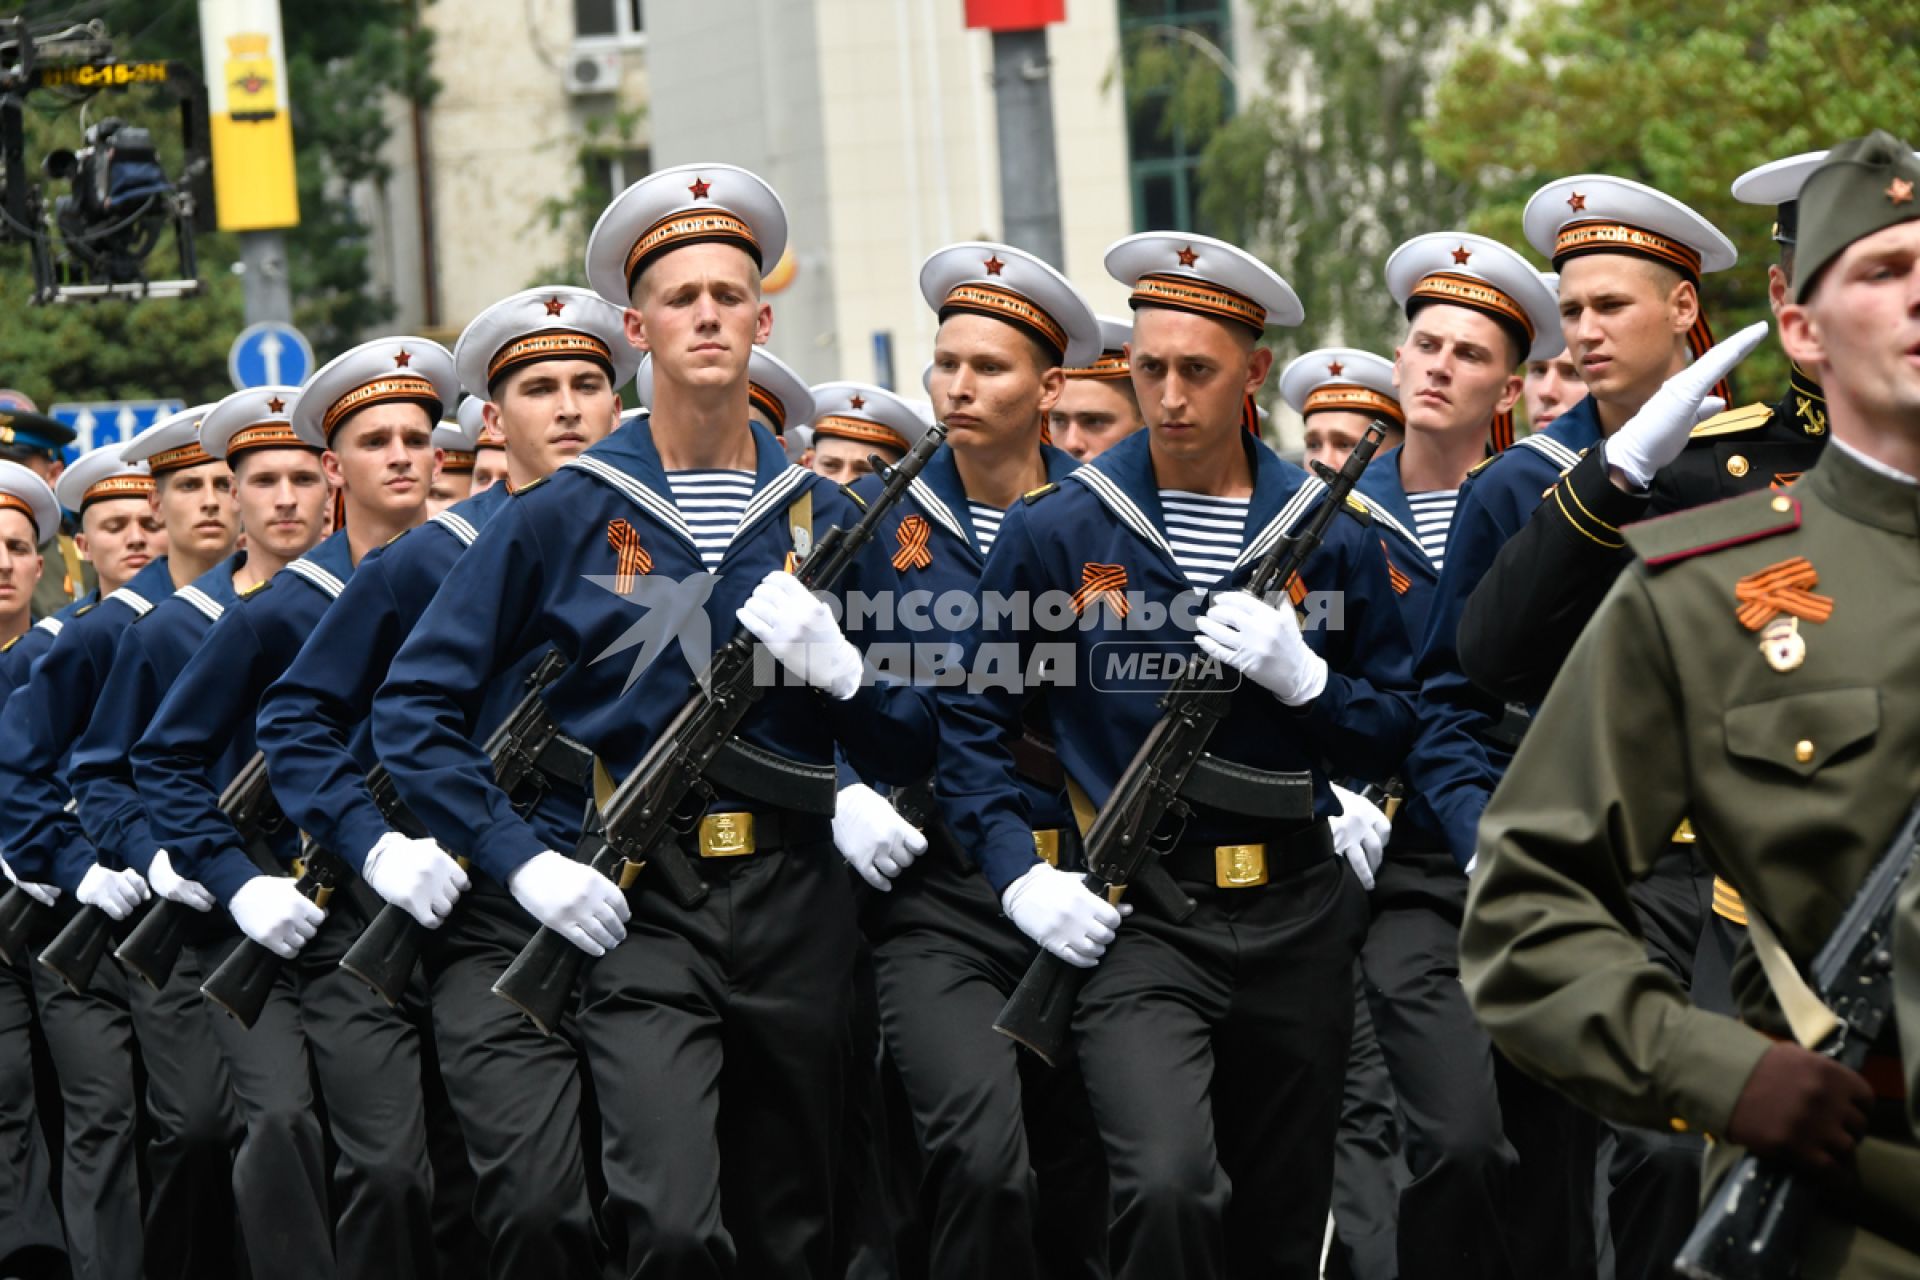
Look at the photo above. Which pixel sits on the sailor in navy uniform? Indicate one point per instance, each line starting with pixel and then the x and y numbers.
pixel 777 397
pixel 546 364
pixel 371 411
pixel 29 1226
pixel 628 560
pixel 32 440
pixel 90 1035
pixel 459 446
pixel 1607 237
pixel 1242 1012
pixel 31 503
pixel 1011 1174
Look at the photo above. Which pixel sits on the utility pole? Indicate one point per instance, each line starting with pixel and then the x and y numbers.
pixel 1029 160
pixel 263 276
pixel 251 127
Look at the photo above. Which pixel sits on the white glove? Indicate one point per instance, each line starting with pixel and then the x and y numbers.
pixel 572 899
pixel 1654 437
pixel 276 915
pixel 415 875
pixel 44 894
pixel 1057 910
pixel 1360 834
pixel 115 892
pixel 1265 645
pixel 799 630
pixel 872 836
pixel 174 887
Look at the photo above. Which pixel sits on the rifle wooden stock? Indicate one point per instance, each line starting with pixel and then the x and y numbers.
pixel 662 797
pixel 1752 1227
pixel 1122 852
pixel 385 954
pixel 20 917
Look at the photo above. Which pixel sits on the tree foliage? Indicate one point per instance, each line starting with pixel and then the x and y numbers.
pixel 572 213
pixel 1683 95
pixel 344 60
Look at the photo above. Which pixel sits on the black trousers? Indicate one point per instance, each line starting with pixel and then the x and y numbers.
pixel 1013 1180
pixel 193 1128
pixel 516 1093
pixel 29 1225
pixel 1368 1171
pixel 1213 1052
pixel 715 1039
pixel 1464 1133
pixel 91 1040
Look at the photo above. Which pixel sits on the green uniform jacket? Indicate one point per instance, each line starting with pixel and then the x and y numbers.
pixel 1795 774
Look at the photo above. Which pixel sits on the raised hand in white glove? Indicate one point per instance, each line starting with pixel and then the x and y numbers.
pixel 115 892
pixel 276 915
pixel 415 875
pixel 872 836
pixel 1654 437
pixel 1264 644
pixel 572 899
pixel 44 894
pixel 799 630
pixel 174 887
pixel 1057 910
pixel 1360 834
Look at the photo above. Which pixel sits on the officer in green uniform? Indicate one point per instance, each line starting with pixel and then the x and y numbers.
pixel 1755 671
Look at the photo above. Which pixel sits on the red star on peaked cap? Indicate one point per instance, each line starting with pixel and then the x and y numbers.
pixel 1899 191
pixel 699 188
pixel 993 264
pixel 958 265
pixel 378 360
pixel 1504 269
pixel 543 308
pixel 1188 257
pixel 402 358
pixel 677 189
pixel 1577 202
pixel 1335 368
pixel 1461 255
pixel 555 306
pixel 1132 258
pixel 276 405
pixel 857 402
pixel 1588 197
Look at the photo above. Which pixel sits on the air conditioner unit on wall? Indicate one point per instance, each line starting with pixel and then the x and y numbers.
pixel 592 71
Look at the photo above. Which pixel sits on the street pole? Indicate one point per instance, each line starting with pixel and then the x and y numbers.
pixel 1029 161
pixel 263 276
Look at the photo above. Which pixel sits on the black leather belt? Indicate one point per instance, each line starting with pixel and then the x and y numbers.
pixel 1247 866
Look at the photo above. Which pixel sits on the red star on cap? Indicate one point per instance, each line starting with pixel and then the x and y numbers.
pixel 1188 257
pixel 1577 202
pixel 858 402
pixel 555 306
pixel 402 358
pixel 1335 368
pixel 1461 255
pixel 276 405
pixel 1900 191
pixel 993 264
pixel 699 188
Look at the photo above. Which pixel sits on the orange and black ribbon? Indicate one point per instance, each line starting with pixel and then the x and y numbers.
pixel 1250 416
pixel 1400 581
pixel 1102 582
pixel 630 559
pixel 1500 435
pixel 913 554
pixel 1296 591
pixel 1781 588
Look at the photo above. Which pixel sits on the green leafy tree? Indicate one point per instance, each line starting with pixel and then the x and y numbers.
pixel 1683 95
pixel 1324 173
pixel 572 214
pixel 343 60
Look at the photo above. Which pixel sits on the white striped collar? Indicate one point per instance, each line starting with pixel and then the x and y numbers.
pixel 1289 515
pixel 329 586
pixel 52 626
pixel 922 492
pixel 656 505
pixel 1116 500
pixel 1383 516
pixel 202 601
pixel 1550 449
pixel 458 525
pixel 778 490
pixel 140 605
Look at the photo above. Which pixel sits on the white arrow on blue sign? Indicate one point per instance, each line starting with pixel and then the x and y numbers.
pixel 270 353
pixel 106 421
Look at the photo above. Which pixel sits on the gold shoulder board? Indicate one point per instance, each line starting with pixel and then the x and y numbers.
pixel 1748 417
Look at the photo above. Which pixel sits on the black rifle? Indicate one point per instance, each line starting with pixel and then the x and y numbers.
pixel 1752 1228
pixel 384 955
pixel 1124 845
pixel 244 980
pixel 20 917
pixel 153 946
pixel 666 794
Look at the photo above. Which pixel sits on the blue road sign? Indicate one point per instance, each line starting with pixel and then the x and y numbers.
pixel 270 353
pixel 107 421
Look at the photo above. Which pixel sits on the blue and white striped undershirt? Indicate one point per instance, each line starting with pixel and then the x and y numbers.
pixel 712 502
pixel 986 523
pixel 1433 520
pixel 1206 533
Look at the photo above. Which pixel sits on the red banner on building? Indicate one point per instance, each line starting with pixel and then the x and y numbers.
pixel 1015 15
